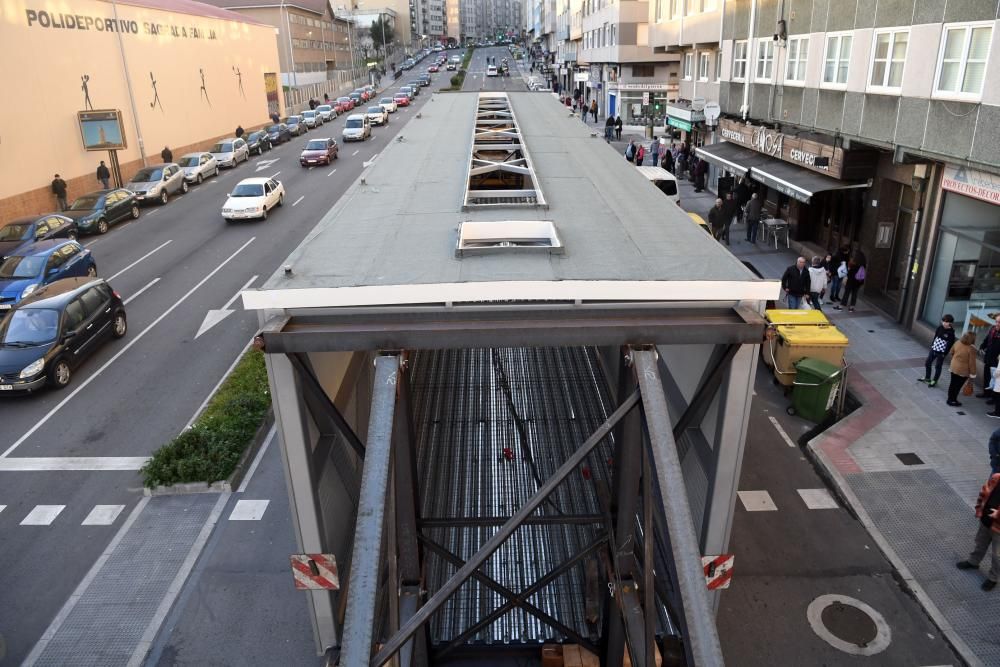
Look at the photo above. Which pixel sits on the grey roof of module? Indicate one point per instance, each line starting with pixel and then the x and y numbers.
pixel 391 238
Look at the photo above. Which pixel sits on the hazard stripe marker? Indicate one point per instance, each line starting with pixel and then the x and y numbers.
pixel 718 571
pixel 315 572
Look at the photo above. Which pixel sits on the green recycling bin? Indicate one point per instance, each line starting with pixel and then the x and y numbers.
pixel 815 388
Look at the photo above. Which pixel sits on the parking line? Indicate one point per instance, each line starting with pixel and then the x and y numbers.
pixel 83 385
pixel 42 515
pixel 92 243
pixel 355 152
pixel 103 515
pixel 148 285
pixel 781 432
pixel 296 203
pixel 159 247
pixel 154 212
pixel 274 174
pixel 332 172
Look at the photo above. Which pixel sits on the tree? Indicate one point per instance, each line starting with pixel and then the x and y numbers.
pixel 381 32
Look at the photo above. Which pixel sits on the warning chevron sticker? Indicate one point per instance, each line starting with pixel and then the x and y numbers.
pixel 718 571
pixel 315 572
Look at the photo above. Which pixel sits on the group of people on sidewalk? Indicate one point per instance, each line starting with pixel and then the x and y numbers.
pixel 963 365
pixel 807 287
pixel 675 157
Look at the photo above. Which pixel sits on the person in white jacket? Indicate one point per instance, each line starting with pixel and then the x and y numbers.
pixel 817 282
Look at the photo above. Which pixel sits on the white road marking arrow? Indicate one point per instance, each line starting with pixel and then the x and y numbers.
pixel 264 164
pixel 213 317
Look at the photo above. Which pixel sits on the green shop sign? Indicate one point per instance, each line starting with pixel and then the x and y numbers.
pixel 678 123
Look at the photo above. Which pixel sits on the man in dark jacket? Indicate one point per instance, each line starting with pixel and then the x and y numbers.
pixel 103 175
pixel 618 128
pixel 59 190
pixel 991 354
pixel 240 131
pixel 609 128
pixel 752 217
pixel 729 210
pixel 795 283
pixel 987 534
pixel 167 155
pixel 717 219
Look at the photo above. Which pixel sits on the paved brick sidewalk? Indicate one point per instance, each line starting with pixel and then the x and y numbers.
pixel 921 514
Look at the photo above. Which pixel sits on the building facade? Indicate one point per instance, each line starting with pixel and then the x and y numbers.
pixel 427 20
pixel 874 125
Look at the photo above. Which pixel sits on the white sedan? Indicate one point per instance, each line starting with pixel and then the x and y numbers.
pixel 388 104
pixel 253 198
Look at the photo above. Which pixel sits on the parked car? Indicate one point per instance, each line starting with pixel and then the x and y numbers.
pixel 259 142
pixel 198 166
pixel 318 151
pixel 312 119
pixel 401 99
pixel 326 112
pixel 157 183
pixel 45 338
pixel 363 92
pixel 19 232
pixel 40 263
pixel 95 211
pixel 409 91
pixel 296 126
pixel 278 134
pixel 230 152
pixel 491 70
pixel 253 198
pixel 377 115
pixel 358 128
pixel 413 88
pixel 344 104
pixel 356 98
pixel 388 104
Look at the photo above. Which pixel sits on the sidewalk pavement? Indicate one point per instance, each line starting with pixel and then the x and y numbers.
pixel 909 466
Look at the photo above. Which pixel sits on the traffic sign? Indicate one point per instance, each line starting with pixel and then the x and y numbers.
pixel 645 98
pixel 718 571
pixel 315 572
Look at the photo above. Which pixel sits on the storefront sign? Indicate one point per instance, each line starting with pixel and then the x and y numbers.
pixel 818 157
pixel 977 184
pixel 678 123
pixel 647 86
pixel 581 77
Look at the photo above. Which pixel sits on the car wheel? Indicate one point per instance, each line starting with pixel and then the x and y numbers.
pixel 281 200
pixel 216 174
pixel 184 186
pixel 60 374
pixel 134 212
pixel 92 272
pixel 263 215
pixel 120 327
pixel 164 197
pixel 200 179
pixel 102 225
pixel 72 235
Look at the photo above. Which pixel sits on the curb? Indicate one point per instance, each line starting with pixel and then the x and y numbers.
pixel 910 583
pixel 232 482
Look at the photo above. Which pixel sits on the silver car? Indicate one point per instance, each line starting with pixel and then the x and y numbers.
pixel 326 112
pixel 157 183
pixel 198 166
pixel 230 152
pixel 357 128
pixel 312 119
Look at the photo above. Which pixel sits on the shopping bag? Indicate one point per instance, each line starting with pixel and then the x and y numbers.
pixel 968 388
pixel 805 305
pixel 992 386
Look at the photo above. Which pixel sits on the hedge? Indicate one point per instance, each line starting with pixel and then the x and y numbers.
pixel 211 448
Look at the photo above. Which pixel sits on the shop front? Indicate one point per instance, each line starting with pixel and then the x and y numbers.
pixel 641 104
pixel 687 122
pixel 965 272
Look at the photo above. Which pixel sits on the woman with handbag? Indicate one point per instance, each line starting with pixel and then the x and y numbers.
pixel 963 367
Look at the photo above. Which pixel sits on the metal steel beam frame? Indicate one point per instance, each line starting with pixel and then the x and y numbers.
pixel 366 562
pixel 522 326
pixel 315 390
pixel 702 642
pixel 487 521
pixel 706 391
pixel 471 566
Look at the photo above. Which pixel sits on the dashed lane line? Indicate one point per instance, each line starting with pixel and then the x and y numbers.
pixel 249 510
pixel 355 152
pixel 134 296
pixel 296 202
pixel 103 515
pixel 42 515
pixel 817 499
pixel 757 501
pixel 332 172
pixel 148 254
pixel 781 431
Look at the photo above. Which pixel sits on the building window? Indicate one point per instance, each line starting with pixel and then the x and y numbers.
pixel 675 8
pixel 888 57
pixel 962 66
pixel 642 71
pixel 703 66
pixel 688 60
pixel 837 59
pixel 614 35
pixel 798 48
pixel 699 6
pixel 740 60
pixel 718 66
pixel 765 60
pixel 659 10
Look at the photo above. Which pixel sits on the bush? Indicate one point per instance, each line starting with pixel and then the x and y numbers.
pixel 209 450
pixel 457 79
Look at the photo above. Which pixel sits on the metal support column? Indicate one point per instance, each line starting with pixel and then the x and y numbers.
pixel 366 562
pixel 702 636
pixel 312 386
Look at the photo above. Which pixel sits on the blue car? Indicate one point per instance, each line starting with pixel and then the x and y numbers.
pixel 41 263
pixel 95 211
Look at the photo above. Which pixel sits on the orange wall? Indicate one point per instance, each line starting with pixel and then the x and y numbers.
pixel 41 70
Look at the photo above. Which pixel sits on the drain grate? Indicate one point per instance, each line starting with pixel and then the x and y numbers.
pixel 909 459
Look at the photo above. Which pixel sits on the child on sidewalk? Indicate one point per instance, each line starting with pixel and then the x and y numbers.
pixel 944 338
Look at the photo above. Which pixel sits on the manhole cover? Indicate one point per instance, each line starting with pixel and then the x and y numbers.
pixel 849 623
pixel 909 459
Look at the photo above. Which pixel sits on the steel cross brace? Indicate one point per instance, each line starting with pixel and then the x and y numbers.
pixel 476 561
pixel 706 392
pixel 311 384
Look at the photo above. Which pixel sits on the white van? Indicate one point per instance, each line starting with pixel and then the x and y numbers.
pixel 664 180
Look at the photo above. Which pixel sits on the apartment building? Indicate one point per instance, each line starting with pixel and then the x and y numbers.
pixel 427 20
pixel 874 124
pixel 453 20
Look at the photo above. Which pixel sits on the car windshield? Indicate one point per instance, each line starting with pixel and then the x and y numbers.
pixel 377 110
pixel 385 100
pixel 248 190
pixel 86 203
pixel 324 107
pixel 30 326
pixel 13 232
pixel 22 267
pixel 343 99
pixel 148 176
pixel 293 120
pixel 355 122
pixel 222 148
pixel 192 161
pixel 274 129
pixel 316 145
pixel 255 136
pixel 308 114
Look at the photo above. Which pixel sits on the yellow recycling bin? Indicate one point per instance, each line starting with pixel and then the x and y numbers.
pixel 794 342
pixel 778 316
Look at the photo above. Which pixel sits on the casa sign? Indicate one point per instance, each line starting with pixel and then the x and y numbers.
pixel 819 157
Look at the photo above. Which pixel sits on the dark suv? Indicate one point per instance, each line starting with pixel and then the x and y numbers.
pixel 48 334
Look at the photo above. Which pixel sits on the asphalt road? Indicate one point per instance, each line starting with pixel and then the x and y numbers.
pixel 476 79
pixel 172 265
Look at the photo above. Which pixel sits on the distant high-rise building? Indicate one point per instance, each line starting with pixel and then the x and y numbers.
pixel 484 19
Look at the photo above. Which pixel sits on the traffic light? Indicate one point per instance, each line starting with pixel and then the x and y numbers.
pixel 656 106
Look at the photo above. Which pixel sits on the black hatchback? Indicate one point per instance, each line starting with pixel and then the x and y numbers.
pixel 48 334
pixel 93 212
pixel 258 142
pixel 20 232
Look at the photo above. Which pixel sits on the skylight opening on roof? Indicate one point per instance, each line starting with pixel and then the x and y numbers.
pixel 500 169
pixel 477 238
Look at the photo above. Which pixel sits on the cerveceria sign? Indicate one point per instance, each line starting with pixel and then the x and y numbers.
pixel 59 21
pixel 821 158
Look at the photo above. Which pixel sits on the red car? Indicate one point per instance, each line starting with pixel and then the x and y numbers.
pixel 344 104
pixel 318 151
pixel 401 99
pixel 432 68
pixel 363 93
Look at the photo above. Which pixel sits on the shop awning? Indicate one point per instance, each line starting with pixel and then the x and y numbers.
pixel 796 182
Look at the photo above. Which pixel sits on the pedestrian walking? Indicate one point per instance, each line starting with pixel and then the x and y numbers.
pixel 103 175
pixel 667 159
pixel 59 190
pixel 991 354
pixel 609 128
pixel 987 534
pixel 593 109
pixel 839 272
pixel 742 195
pixel 700 170
pixel 751 216
pixel 654 151
pixel 817 283
pixel 795 283
pixel 856 273
pixel 630 151
pixel 729 212
pixel 717 219
pixel 618 127
pixel 681 164
pixel 962 368
pixel 944 338
pixel 167 155
pixel 640 155
pixel 275 118
pixel 240 131
pixel 994 450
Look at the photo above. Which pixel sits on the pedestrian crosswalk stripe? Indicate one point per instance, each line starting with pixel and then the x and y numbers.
pixel 757 501
pixel 103 515
pixel 818 499
pixel 2 508
pixel 249 510
pixel 42 515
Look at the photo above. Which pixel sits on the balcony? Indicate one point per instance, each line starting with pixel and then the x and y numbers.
pixel 695 30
